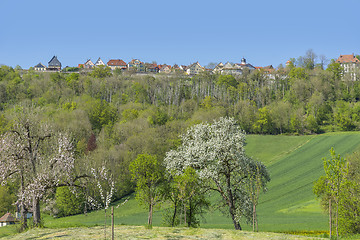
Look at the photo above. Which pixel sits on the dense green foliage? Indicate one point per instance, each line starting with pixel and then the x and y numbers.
pixel 340 193
pixel 7 199
pixel 115 117
pixel 69 203
pixel 147 173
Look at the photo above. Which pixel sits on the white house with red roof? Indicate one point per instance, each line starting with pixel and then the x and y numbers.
pixel 350 63
pixel 164 68
pixel 117 64
pixel 7 219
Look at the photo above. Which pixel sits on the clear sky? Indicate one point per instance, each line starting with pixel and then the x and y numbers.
pixel 264 32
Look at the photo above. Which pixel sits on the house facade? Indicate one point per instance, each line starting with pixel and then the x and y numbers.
pixel 231 69
pixel 165 69
pixel 350 64
pixel 117 64
pixel 7 219
pixel 89 64
pixel 54 64
pixel 137 65
pixel 194 69
pixel 40 67
pixel 244 65
pixel 99 62
pixel 151 67
pixel 218 68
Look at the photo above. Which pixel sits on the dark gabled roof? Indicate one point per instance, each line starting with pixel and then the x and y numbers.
pixel 54 62
pixel 40 65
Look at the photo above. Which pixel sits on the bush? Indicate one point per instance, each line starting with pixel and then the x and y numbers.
pixel 69 203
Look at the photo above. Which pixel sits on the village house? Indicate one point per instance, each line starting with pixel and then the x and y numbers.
pixel 268 71
pixel 165 69
pixel 151 67
pixel 350 64
pixel 40 67
pixel 137 65
pixel 244 65
pixel 231 69
pixel 89 64
pixel 194 69
pixel 7 219
pixel 177 69
pixel 99 62
pixel 54 64
pixel 117 64
pixel 218 68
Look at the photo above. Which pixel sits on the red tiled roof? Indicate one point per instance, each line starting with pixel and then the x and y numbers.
pixel 163 66
pixel 7 218
pixel 116 62
pixel 151 65
pixel 347 59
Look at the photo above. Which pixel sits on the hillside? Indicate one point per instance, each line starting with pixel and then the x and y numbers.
pixel 289 203
pixel 294 162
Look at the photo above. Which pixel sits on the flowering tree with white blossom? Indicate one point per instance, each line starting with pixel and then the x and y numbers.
pixel 105 186
pixel 42 159
pixel 216 151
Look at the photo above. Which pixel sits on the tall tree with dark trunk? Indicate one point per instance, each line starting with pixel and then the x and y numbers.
pixel 39 157
pixel 216 151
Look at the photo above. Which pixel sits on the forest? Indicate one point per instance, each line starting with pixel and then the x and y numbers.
pixel 114 118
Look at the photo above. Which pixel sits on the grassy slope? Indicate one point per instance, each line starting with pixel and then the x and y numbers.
pixel 294 162
pixel 289 203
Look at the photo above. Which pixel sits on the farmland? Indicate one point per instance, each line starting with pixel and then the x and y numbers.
pixel 294 162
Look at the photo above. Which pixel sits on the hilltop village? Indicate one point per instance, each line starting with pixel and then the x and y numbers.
pixel 348 62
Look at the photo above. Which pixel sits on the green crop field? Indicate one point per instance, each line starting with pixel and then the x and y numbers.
pixel 294 162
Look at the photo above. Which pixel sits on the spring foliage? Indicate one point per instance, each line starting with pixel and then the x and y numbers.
pixel 216 152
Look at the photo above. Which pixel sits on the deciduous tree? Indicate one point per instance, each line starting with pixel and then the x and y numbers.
pixel 216 151
pixel 146 172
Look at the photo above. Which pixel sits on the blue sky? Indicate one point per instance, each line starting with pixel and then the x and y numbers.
pixel 182 32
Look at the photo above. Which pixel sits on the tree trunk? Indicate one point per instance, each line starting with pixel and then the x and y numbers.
pixel 330 220
pixel 231 205
pixel 184 214
pixel 150 214
pixel 174 216
pixel 23 210
pixel 105 225
pixel 254 216
pixel 112 223
pixel 256 220
pixel 36 212
pixel 23 217
pixel 337 221
pixel 236 223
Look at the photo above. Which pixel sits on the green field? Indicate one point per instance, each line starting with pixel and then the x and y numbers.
pixel 294 162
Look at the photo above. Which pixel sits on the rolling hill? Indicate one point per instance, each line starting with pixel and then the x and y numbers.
pixel 294 162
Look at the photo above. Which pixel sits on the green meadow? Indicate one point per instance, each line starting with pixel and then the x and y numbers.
pixel 289 205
